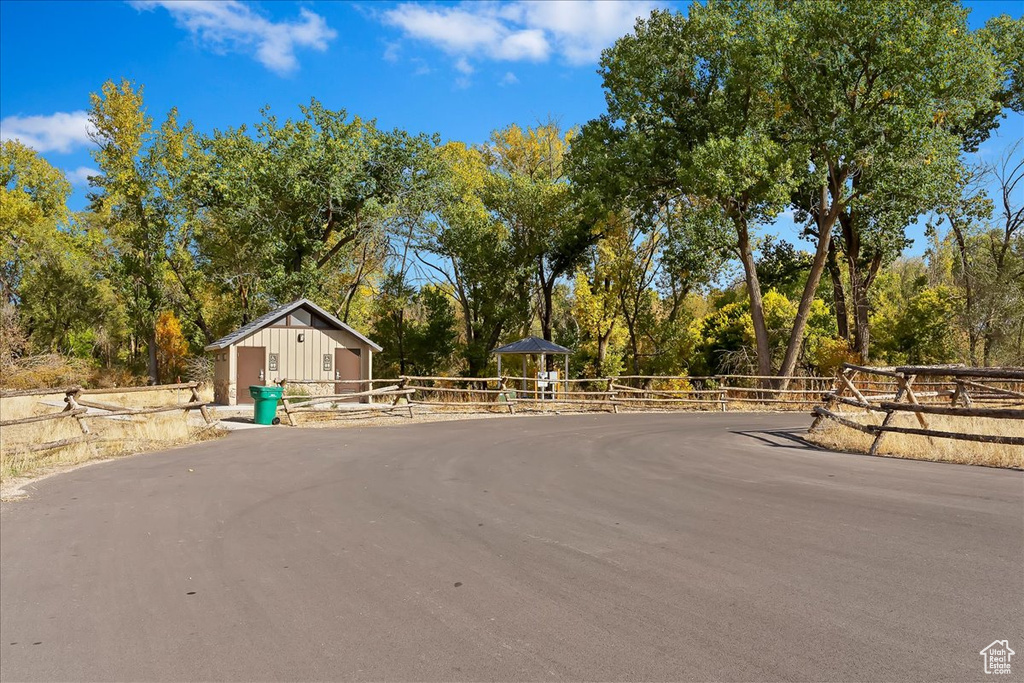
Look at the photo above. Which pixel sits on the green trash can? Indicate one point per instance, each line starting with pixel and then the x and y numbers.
pixel 265 404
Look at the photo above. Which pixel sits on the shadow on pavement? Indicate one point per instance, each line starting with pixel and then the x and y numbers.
pixel 782 438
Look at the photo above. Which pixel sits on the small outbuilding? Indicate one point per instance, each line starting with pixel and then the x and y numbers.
pixel 297 341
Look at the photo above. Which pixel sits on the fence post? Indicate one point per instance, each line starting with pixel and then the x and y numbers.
pixel 196 399
pixel 402 381
pixel 72 404
pixel 609 382
pixel 904 386
pixel 838 387
pixel 508 399
pixel 960 394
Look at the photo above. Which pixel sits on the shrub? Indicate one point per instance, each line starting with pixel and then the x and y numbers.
pixel 42 371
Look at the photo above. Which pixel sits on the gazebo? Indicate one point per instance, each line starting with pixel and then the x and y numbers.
pixel 532 346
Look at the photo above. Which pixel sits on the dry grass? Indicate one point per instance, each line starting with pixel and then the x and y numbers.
pixel 833 435
pixel 116 436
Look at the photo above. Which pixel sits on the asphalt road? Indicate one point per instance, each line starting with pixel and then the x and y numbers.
pixel 608 547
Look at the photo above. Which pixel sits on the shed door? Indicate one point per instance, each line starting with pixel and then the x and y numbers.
pixel 347 365
pixel 252 370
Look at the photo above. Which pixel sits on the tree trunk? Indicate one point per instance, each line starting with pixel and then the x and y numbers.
pixel 764 357
pixel 545 319
pixel 154 377
pixel 796 336
pixel 861 330
pixel 635 347
pixel 547 286
pixel 634 343
pixel 602 350
pixel 965 271
pixel 400 333
pixel 838 293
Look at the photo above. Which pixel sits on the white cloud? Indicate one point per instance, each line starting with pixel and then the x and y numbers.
pixel 58 132
pixel 80 175
pixel 231 26
pixel 392 52
pixel 528 30
pixel 508 79
pixel 469 30
pixel 463 66
pixel 422 68
pixel 582 28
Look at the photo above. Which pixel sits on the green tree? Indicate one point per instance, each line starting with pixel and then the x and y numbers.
pixel 920 332
pixel 52 274
pixel 681 122
pixel 528 191
pixel 877 105
pixel 434 338
pixel 33 201
pixel 744 103
pixel 781 267
pixel 300 206
pixel 139 198
pixel 473 256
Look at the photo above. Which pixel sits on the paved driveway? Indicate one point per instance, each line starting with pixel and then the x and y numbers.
pixel 682 547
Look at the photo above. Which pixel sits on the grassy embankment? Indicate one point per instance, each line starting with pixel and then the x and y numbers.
pixel 832 435
pixel 117 436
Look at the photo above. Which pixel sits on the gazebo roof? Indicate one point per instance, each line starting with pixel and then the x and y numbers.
pixel 532 345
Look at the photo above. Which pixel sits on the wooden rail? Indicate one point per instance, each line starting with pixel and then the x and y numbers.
pixel 906 400
pixel 316 404
pixel 16 393
pixel 43 418
pixel 111 410
pixel 632 392
pixel 81 410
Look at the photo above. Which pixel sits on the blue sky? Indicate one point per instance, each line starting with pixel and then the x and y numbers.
pixel 460 70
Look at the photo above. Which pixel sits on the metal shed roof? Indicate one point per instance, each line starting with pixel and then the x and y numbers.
pixel 264 320
pixel 531 345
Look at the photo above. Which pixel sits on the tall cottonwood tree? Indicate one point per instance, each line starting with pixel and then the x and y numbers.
pixel 308 199
pixel 527 189
pixel 474 256
pixel 877 105
pixel 33 199
pixel 139 200
pixel 682 120
pixel 744 102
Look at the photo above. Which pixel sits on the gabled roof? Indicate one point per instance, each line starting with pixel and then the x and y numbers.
pixel 264 320
pixel 532 345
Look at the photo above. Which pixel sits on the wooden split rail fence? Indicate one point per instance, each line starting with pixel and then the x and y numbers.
pixel 958 391
pixel 295 404
pixel 630 392
pixel 78 408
